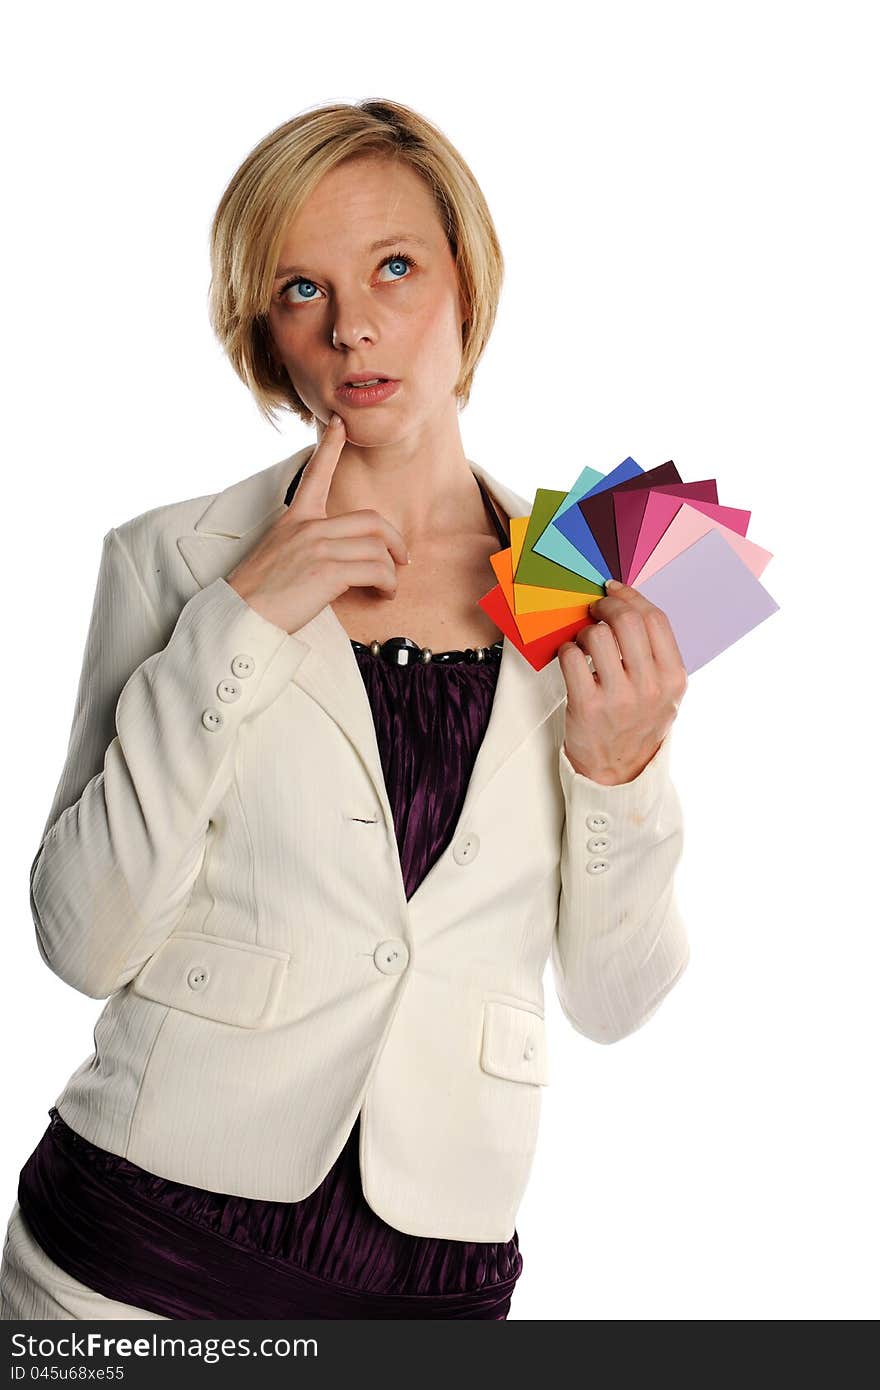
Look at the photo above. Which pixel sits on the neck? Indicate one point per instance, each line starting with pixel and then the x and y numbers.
pixel 422 483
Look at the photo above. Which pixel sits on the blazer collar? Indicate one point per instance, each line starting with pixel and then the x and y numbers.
pixel 231 525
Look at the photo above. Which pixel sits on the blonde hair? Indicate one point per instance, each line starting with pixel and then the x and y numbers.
pixel 264 195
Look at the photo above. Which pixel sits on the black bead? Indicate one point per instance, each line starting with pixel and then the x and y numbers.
pixel 400 651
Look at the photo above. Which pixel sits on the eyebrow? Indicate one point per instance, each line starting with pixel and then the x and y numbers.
pixel 373 246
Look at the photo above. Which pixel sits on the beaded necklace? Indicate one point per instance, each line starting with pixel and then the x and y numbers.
pixel 403 651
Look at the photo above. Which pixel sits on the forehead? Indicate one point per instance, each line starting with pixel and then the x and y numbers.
pixel 360 201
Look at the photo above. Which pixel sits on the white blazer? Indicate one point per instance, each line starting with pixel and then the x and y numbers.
pixel 220 864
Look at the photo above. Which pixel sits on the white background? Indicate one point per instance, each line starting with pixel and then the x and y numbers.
pixel 685 196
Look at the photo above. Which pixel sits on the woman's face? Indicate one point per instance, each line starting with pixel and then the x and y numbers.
pixel 391 318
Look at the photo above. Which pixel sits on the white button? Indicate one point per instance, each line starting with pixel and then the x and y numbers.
pixel 597 844
pixel 392 956
pixel 529 1050
pixel 229 690
pixel 466 848
pixel 598 821
pixel 597 866
pixel 197 978
pixel 212 719
pixel 243 665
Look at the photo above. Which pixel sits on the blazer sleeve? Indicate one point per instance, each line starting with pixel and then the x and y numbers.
pixel 620 943
pixel 150 756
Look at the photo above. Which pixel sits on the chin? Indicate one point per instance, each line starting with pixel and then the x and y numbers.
pixel 361 428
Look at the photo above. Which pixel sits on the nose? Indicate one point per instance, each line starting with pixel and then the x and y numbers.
pixel 350 337
pixel 352 324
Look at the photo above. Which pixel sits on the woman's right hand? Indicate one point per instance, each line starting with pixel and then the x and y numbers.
pixel 306 559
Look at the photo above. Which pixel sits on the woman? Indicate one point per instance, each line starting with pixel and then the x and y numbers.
pixel 321 920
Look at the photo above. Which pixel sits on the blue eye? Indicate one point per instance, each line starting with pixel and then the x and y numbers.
pixel 404 261
pixel 310 289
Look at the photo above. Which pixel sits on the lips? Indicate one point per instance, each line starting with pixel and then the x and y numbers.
pixel 362 394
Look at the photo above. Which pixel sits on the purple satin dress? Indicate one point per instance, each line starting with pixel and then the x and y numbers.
pixel 187 1253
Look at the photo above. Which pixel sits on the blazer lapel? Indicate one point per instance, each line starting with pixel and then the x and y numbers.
pixel 231 525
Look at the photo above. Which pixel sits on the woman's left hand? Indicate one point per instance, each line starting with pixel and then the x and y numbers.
pixel 616 719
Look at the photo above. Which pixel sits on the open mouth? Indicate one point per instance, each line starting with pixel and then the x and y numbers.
pixel 373 392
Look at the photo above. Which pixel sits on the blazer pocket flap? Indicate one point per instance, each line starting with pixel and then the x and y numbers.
pixel 514 1043
pixel 228 981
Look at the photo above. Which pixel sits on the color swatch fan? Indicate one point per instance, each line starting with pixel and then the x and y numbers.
pixel 671 540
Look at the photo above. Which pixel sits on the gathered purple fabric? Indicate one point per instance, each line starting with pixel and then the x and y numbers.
pixel 184 1252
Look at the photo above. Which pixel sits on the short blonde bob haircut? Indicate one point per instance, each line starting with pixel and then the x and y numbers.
pixel 272 183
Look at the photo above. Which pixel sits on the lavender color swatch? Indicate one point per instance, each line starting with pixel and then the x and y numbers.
pixel 710 597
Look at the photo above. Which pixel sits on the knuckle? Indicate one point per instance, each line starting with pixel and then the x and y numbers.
pixel 629 618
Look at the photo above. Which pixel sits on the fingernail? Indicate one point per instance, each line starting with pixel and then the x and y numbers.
pixel 613 584
pixel 334 420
